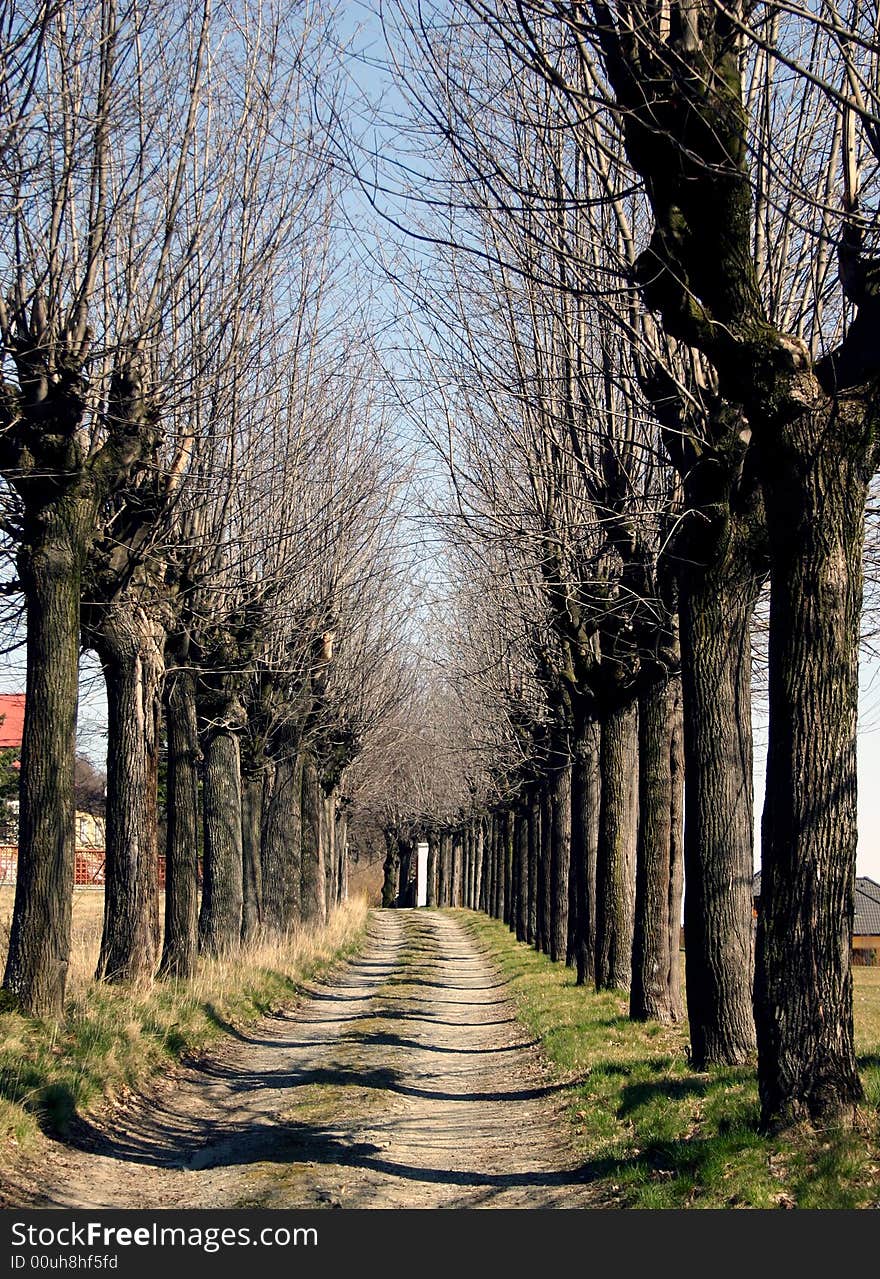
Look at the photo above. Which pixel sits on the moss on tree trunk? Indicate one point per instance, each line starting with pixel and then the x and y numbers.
pixel 180 944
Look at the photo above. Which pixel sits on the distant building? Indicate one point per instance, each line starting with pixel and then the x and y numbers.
pixel 89 848
pixel 89 831
pixel 11 719
pixel 866 920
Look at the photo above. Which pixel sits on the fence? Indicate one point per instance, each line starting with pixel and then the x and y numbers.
pixel 88 867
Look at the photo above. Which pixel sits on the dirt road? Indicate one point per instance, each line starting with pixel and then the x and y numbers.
pixel 403 1081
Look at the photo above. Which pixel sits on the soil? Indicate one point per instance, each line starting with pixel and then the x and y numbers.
pixel 403 1080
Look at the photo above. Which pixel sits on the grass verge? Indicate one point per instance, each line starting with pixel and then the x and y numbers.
pixel 114 1038
pixel 655 1134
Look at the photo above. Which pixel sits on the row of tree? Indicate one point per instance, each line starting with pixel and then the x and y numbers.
pixel 643 348
pixel 198 482
pixel 654 382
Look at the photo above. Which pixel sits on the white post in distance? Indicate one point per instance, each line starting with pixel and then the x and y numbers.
pixel 421 874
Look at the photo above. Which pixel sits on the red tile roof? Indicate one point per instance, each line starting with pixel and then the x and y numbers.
pixel 11 719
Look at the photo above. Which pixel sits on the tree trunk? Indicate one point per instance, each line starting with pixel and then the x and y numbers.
pixel 615 862
pixel 480 865
pixel 281 842
pixel 521 837
pixel 342 853
pixel 653 958
pixel 560 861
pixel 252 870
pixel 491 866
pixel 474 826
pixel 220 916
pixel 505 854
pixel 312 866
pixel 180 947
pixel 472 874
pixel 445 869
pixel 433 867
pixel 546 880
pixel 131 646
pixel 408 868
pixel 391 868
pixel 467 863
pixel 585 805
pixel 715 609
pixel 457 857
pixel 500 867
pixel 815 498
pixel 328 842
pixel 51 577
pixel 676 871
pixel 534 859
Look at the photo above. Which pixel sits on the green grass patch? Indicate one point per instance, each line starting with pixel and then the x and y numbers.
pixel 114 1038
pixel 655 1134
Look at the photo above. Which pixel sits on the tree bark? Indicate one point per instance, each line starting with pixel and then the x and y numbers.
pixel 180 946
pixel 545 881
pixel 445 869
pixel 131 645
pixel 653 958
pixel 485 902
pixel 585 805
pixel 479 864
pixel 328 842
pixel 408 870
pixel 815 498
pixel 492 868
pixel 473 875
pixel 521 837
pixel 505 856
pixel 51 578
pixel 500 867
pixel 715 610
pixel 220 915
pixel 342 852
pixel 457 858
pixel 534 859
pixel 433 860
pixel 466 864
pixel 560 861
pixel 676 871
pixel 615 864
pixel 281 842
pixel 391 881
pixel 312 873
pixel 252 869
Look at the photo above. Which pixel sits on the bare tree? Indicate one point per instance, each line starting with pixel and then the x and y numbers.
pixel 803 377
pixel 76 417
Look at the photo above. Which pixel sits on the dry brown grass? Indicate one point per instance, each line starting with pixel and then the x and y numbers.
pixel 88 911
